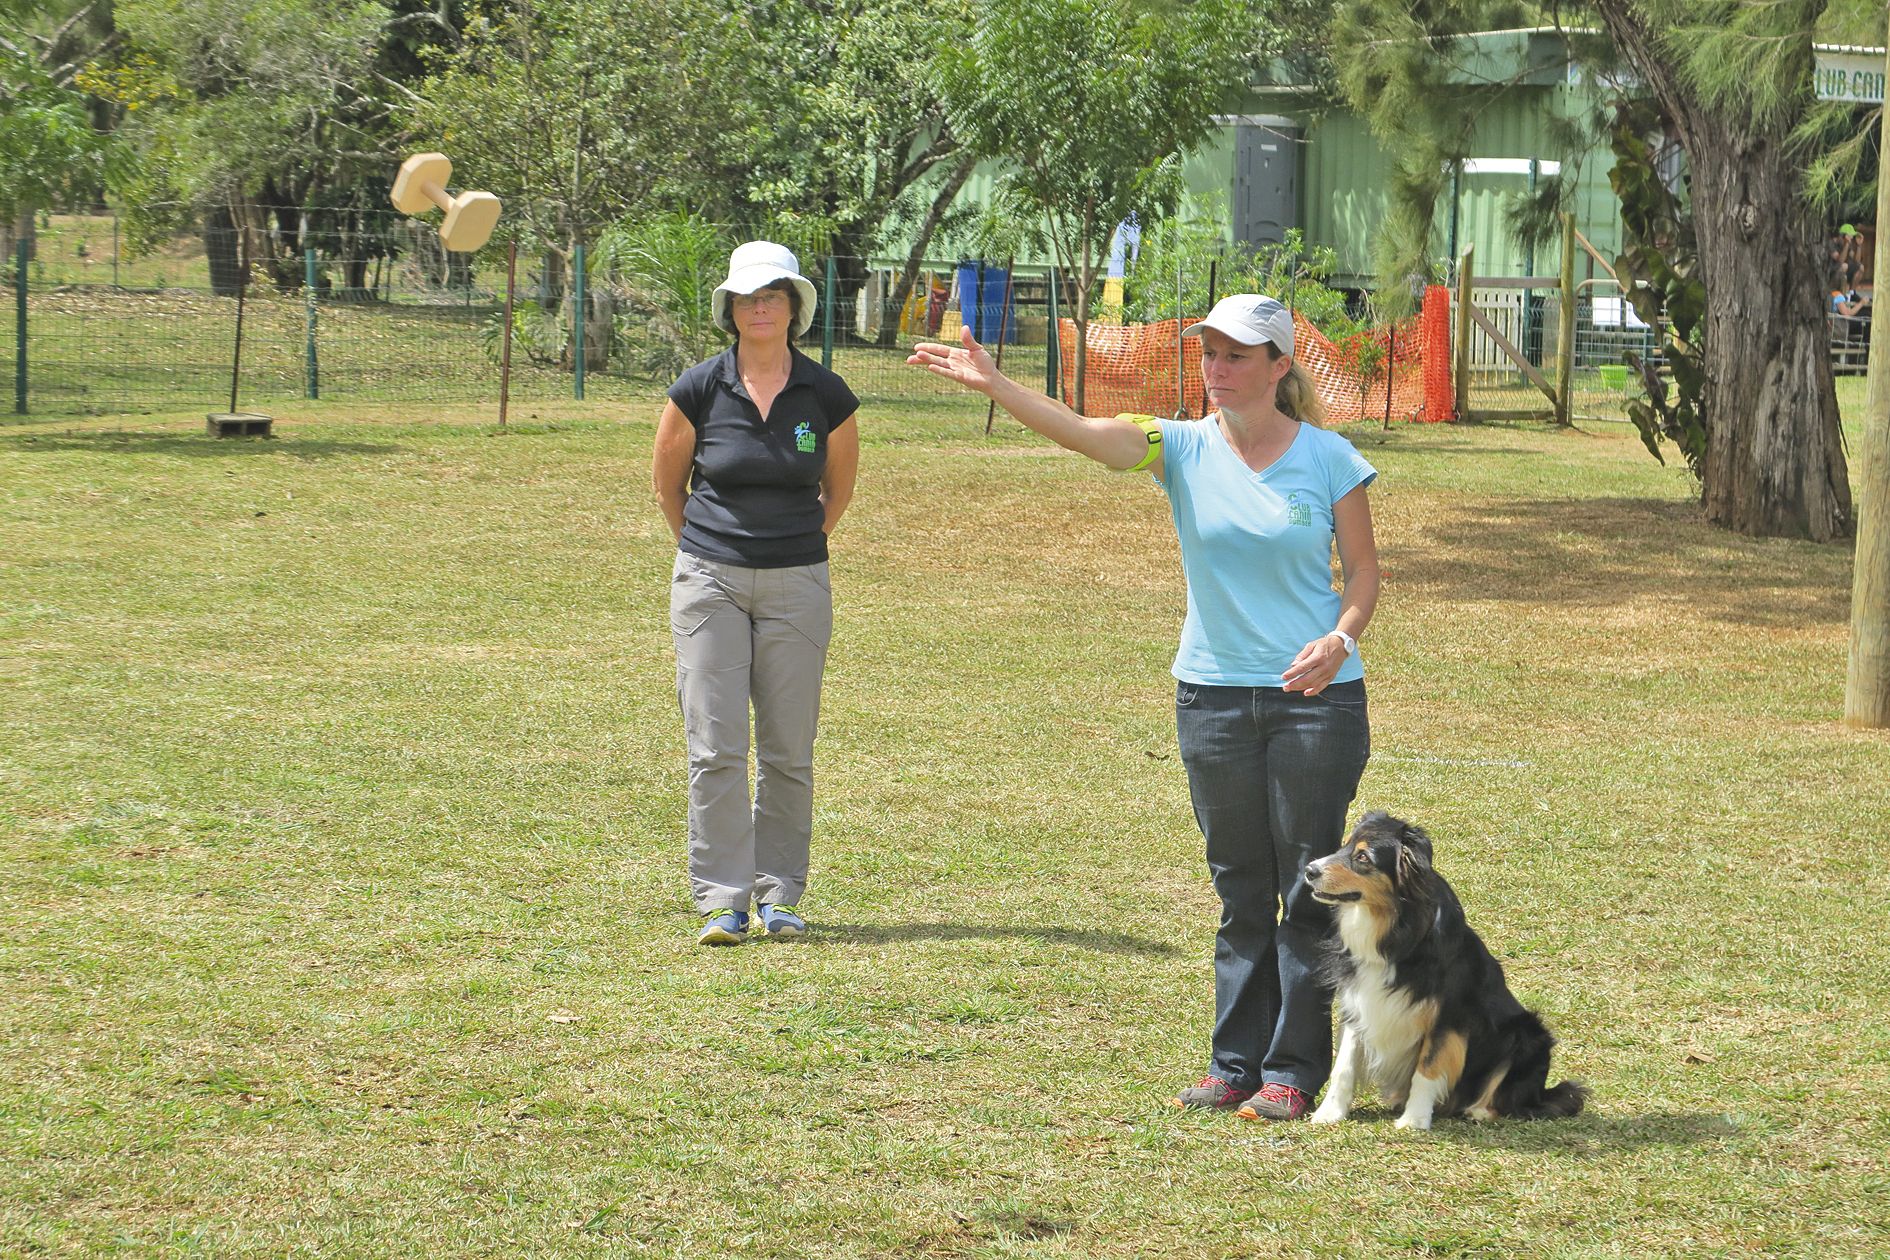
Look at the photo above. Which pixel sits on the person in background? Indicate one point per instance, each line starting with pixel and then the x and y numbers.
pixel 754 465
pixel 1270 707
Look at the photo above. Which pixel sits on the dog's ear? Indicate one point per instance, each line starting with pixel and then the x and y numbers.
pixel 1414 858
pixel 1414 840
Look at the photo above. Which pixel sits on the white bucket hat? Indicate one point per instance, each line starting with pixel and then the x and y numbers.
pixel 752 268
pixel 1249 318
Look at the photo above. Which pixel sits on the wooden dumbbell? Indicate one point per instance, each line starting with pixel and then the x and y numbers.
pixel 421 184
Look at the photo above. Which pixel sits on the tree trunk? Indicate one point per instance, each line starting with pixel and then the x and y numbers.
pixel 551 281
pixel 597 327
pixel 947 193
pixel 220 251
pixel 1774 461
pixel 1082 338
pixel 24 228
pixel 1085 279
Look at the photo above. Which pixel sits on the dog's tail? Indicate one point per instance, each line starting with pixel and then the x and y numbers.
pixel 1526 1093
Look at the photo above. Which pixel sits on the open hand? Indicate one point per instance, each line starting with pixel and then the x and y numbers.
pixel 968 364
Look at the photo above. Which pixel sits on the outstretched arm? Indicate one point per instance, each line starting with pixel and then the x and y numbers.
pixel 1117 443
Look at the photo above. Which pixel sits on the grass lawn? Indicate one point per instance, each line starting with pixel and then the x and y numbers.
pixel 341 803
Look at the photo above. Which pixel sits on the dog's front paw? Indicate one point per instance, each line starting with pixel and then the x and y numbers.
pixel 1326 1113
pixel 1409 1121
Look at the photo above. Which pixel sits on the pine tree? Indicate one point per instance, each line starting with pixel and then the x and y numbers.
pixel 1734 82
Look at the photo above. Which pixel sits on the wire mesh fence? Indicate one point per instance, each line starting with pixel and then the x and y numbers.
pixel 1607 331
pixel 1617 356
pixel 367 308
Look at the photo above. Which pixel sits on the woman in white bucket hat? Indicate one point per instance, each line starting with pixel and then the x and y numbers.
pixel 1269 689
pixel 754 464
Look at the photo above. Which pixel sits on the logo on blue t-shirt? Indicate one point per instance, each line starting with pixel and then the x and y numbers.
pixel 1297 513
pixel 803 436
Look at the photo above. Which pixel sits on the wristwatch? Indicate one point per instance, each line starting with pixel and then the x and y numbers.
pixel 1345 640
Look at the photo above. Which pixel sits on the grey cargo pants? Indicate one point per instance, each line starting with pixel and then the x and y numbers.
pixel 749 637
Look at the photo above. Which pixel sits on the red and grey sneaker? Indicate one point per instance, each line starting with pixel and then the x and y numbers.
pixel 1275 1102
pixel 1212 1092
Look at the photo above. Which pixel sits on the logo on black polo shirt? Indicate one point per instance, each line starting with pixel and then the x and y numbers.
pixel 804 436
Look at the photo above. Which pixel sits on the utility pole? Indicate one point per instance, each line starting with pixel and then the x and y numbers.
pixel 1867 686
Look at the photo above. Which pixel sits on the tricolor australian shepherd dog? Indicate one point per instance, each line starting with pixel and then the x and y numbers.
pixel 1424 1006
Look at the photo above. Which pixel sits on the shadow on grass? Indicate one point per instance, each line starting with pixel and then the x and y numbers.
pixel 1618 550
pixel 187 445
pixel 905 933
pixel 1592 1133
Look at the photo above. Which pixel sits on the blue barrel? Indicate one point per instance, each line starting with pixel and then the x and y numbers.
pixel 981 293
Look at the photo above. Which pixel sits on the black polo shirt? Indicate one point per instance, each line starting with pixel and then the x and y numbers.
pixel 754 492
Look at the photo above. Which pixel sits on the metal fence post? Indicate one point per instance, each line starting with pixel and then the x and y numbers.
pixel 308 286
pixel 1529 269
pixel 826 323
pixel 19 327
pixel 577 324
pixel 242 291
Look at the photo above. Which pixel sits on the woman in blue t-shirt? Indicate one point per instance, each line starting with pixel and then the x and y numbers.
pixel 753 465
pixel 1269 693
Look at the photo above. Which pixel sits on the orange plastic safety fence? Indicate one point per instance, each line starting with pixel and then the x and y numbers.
pixel 1402 372
pixel 1440 387
pixel 1133 368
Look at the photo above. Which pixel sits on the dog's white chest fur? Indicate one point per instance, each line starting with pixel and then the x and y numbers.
pixel 1391 1025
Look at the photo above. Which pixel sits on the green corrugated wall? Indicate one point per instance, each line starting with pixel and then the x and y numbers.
pixel 1344 174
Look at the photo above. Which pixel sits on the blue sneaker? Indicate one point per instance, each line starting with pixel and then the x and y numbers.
pixel 725 927
pixel 784 922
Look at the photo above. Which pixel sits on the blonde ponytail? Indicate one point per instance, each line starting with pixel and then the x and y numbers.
pixel 1297 397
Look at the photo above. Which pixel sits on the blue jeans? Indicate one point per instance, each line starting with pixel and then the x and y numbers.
pixel 1272 774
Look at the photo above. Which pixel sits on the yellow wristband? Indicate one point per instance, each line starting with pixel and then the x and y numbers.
pixel 1153 428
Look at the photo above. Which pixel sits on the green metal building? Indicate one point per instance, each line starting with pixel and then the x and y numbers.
pixel 1287 161
pixel 1290 164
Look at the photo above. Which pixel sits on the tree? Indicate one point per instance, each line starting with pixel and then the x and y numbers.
pixel 244 114
pixel 579 112
pixel 852 137
pixel 50 150
pixel 1089 104
pixel 1733 83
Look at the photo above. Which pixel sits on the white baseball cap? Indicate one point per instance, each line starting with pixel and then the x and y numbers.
pixel 752 268
pixel 1249 318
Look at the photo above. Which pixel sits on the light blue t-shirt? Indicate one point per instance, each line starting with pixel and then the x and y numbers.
pixel 1256 548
